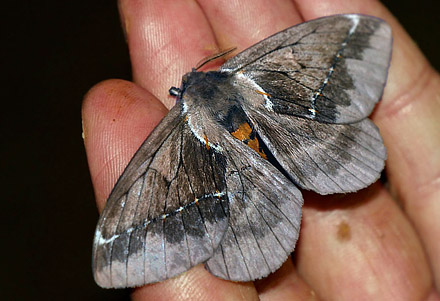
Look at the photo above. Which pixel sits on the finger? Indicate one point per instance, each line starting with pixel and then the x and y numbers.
pixel 408 119
pixel 243 23
pixel 284 284
pixel 117 117
pixel 166 39
pixel 196 284
pixel 409 127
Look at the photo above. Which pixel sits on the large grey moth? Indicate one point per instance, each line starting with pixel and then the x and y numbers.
pixel 217 181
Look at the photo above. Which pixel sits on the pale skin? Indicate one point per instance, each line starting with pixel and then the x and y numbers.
pixel 377 244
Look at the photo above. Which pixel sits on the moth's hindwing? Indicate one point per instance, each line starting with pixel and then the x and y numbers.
pixel 325 158
pixel 167 213
pixel 331 69
pixel 264 221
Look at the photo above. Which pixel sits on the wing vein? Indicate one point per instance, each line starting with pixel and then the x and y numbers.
pixel 265 221
pixel 132 224
pixel 230 224
pixel 255 238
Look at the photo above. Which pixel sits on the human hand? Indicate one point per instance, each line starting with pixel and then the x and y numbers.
pixel 363 245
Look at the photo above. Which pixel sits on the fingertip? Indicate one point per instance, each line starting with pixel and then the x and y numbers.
pixel 285 284
pixel 243 23
pixel 117 116
pixel 166 39
pixel 196 284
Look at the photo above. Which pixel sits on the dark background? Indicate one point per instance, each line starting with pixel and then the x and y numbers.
pixel 52 53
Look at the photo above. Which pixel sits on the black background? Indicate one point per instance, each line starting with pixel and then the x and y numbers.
pixel 52 53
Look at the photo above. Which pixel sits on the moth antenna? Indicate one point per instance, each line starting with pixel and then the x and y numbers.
pixel 210 58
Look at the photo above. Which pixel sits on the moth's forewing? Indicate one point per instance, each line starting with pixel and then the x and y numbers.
pixel 331 69
pixel 165 214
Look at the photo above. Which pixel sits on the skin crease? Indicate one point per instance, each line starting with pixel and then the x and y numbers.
pixel 360 246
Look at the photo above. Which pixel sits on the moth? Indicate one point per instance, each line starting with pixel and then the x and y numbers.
pixel 217 181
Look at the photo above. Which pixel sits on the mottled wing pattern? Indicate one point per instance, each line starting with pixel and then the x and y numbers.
pixel 265 217
pixel 167 213
pixel 331 69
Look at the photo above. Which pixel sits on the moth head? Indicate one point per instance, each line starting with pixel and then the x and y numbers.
pixel 187 80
